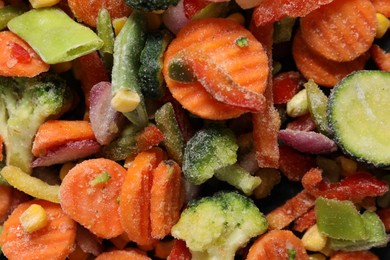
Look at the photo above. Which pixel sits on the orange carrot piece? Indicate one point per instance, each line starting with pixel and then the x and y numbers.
pixel 361 255
pixel 87 12
pixel 135 197
pixel 5 201
pixel 54 133
pixel 18 59
pixel 123 255
pixel 277 244
pixel 380 57
pixel 54 241
pixel 89 194
pixel 150 136
pixel 323 71
pixel 179 251
pixel 166 199
pixel 382 6
pixel 305 221
pixel 293 208
pixel 342 30
pixel 216 38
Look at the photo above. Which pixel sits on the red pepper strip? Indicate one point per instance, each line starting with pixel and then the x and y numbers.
pixel 292 209
pixel 354 187
pixel 294 164
pixel 179 251
pixel 384 215
pixel 305 221
pixel 285 85
pixel 149 137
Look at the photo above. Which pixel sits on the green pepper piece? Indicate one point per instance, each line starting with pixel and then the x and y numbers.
pixel 126 89
pixel 283 29
pixel 318 103
pixel 54 35
pixel 9 12
pixel 339 219
pixel 106 33
pixel 173 138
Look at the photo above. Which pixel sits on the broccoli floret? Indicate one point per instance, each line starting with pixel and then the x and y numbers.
pixel 151 5
pixel 216 227
pixel 26 103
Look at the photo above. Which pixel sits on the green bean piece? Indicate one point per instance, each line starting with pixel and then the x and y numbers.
pixel 54 35
pixel 9 12
pixel 126 90
pixel 106 32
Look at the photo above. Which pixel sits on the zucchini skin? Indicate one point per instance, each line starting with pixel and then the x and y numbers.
pixel 151 5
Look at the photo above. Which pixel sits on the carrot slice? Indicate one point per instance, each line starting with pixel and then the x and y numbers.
pixel 54 241
pixel 277 244
pixel 361 255
pixel 323 71
pixel 380 57
pixel 87 12
pixel 123 255
pixel 5 201
pixel 166 198
pixel 18 58
pixel 89 195
pixel 135 197
pixel 54 133
pixel 342 30
pixel 382 6
pixel 246 66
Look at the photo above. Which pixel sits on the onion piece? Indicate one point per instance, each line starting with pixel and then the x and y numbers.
pixel 174 17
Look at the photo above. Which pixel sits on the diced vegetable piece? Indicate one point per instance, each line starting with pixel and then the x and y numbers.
pixel 150 73
pixel 283 29
pixel 45 30
pixel 33 218
pixel 207 151
pixel 284 86
pixel 313 239
pixel 148 137
pixel 9 12
pixel 217 226
pixel 212 9
pixel 151 5
pixel 297 105
pixel 358 115
pixel 173 138
pixel 339 219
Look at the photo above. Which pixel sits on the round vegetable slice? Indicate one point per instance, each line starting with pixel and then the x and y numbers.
pixel 358 115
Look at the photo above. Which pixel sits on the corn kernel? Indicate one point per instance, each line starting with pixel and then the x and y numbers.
pixel 65 169
pixel 61 67
pixel 298 106
pixel 154 21
pixel 125 100
pixel 33 218
pixel 118 24
pixel 237 17
pixel 317 257
pixel 43 3
pixel 348 166
pixel 383 25
pixel 313 239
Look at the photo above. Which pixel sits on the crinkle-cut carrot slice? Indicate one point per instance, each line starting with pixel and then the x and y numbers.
pixel 361 255
pixel 382 6
pixel 270 11
pixel 135 197
pixel 87 12
pixel 277 244
pixel 54 241
pixel 18 59
pixel 246 65
pixel 54 133
pixel 123 255
pixel 323 71
pixel 89 194
pixel 5 201
pixel 166 199
pixel 342 30
pixel 380 57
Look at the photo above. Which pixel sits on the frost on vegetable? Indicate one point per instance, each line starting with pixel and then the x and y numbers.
pixel 216 227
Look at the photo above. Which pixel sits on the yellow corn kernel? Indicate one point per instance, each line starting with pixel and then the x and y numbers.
pixel 317 257
pixel 118 23
pixel 348 166
pixel 125 100
pixel 313 239
pixel 383 25
pixel 154 21
pixel 33 218
pixel 65 169
pixel 43 3
pixel 61 67
pixel 237 17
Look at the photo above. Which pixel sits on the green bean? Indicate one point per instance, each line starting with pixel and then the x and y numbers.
pixel 106 33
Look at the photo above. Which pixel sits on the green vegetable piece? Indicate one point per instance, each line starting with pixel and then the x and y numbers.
pixel 9 12
pixel 375 231
pixel 54 35
pixel 283 29
pixel 358 114
pixel 238 177
pixel 150 72
pixel 178 70
pixel 207 151
pixel 126 90
pixel 216 9
pixel 242 42
pixel 105 32
pixel 173 138
pixel 216 227
pixel 339 219
pixel 151 5
pixel 101 178
pixel 317 102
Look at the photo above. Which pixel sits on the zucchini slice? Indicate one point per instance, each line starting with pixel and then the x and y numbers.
pixel 359 116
